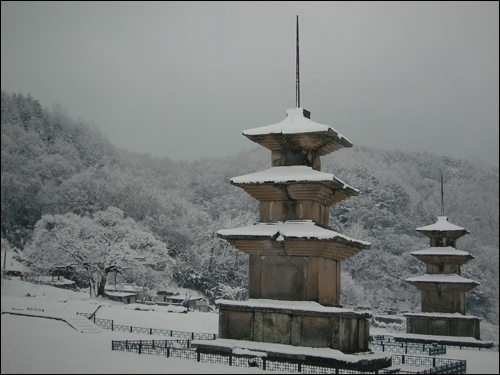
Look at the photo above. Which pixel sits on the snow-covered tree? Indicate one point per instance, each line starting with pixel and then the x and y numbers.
pixel 95 246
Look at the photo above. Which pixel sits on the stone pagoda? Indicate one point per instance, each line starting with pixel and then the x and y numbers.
pixel 443 288
pixel 294 257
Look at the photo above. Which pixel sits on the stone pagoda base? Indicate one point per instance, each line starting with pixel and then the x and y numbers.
pixel 362 362
pixel 296 323
pixel 443 324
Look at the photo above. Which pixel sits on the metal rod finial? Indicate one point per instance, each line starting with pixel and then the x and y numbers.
pixel 442 197
pixel 297 77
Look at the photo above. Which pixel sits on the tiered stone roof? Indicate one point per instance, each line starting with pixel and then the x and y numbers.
pixel 293 193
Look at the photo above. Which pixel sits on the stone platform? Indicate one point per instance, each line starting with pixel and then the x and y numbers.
pixel 295 323
pixel 443 324
pixel 368 361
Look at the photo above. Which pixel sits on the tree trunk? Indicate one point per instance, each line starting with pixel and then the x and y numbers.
pixel 92 288
pixel 211 254
pixel 101 285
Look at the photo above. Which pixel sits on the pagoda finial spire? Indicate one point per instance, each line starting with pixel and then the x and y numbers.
pixel 297 81
pixel 442 197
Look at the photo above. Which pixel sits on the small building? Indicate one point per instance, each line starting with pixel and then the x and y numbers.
pixel 124 297
pixel 193 303
pixel 163 295
pixel 10 266
pixel 125 293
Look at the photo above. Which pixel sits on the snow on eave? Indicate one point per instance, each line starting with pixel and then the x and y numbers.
pixel 294 123
pixel 281 230
pixel 448 250
pixel 294 173
pixel 442 224
pixel 441 278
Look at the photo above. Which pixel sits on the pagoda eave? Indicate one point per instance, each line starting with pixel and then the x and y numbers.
pixel 454 234
pixel 293 238
pixel 295 247
pixel 443 259
pixel 465 285
pixel 323 143
pixel 327 193
pixel 443 228
pixel 448 287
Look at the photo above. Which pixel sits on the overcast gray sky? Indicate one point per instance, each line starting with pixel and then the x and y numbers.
pixel 184 79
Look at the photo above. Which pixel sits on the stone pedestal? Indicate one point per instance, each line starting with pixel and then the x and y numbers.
pixel 327 359
pixel 443 325
pixel 296 323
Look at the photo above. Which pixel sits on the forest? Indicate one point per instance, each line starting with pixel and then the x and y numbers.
pixel 60 173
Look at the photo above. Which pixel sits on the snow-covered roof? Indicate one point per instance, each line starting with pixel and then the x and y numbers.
pixel 128 288
pixel 10 264
pixel 295 173
pixel 448 250
pixel 294 124
pixel 441 278
pixel 181 299
pixel 120 294
pixel 282 230
pixel 442 224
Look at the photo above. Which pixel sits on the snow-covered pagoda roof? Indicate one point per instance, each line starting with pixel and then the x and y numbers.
pixel 442 255
pixel 298 131
pixel 294 173
pixel 443 225
pixel 448 250
pixel 440 278
pixel 448 279
pixel 292 237
pixel 296 181
pixel 282 230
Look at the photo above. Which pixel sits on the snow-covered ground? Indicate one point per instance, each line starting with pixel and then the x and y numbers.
pixel 38 345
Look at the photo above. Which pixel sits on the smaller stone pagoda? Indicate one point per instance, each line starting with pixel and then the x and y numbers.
pixel 443 288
